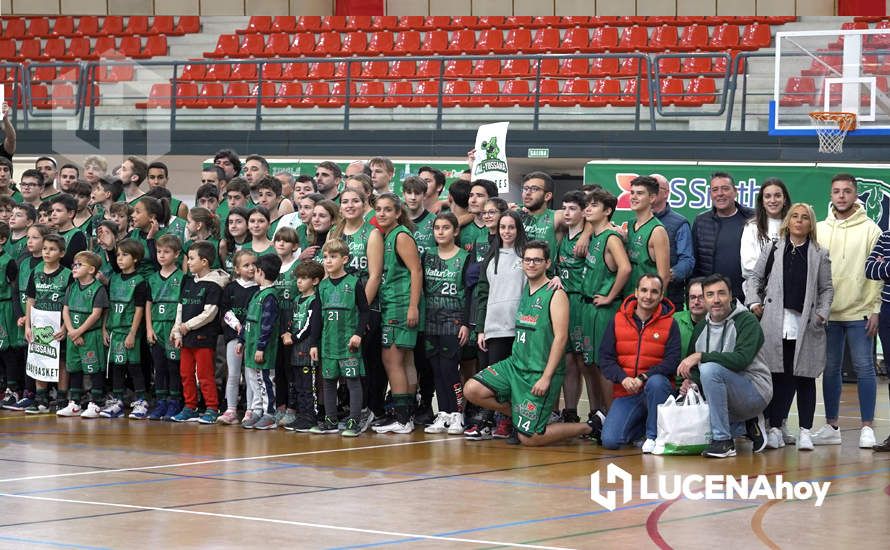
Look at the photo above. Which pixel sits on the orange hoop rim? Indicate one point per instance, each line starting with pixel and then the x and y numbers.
pixel 845 121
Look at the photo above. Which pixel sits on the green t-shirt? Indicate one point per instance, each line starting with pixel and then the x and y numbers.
pixel 339 315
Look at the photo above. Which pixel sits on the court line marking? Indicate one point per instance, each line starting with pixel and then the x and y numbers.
pixel 283 522
pixel 223 460
pixel 51 543
pixel 757 524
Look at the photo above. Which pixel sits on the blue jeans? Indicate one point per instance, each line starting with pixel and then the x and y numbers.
pixel 732 399
pixel 630 414
pixel 863 363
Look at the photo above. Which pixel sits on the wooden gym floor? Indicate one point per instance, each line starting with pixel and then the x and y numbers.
pixel 71 483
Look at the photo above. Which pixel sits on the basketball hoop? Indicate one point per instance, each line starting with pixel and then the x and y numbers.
pixel 832 128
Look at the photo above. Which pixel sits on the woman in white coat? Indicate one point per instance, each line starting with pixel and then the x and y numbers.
pixel 790 290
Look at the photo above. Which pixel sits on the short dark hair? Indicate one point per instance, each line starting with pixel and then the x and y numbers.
pixel 112 185
pixel 490 187
pixel 161 166
pixel 220 173
pixel 414 184
pixel 846 177
pixel 30 211
pixel 6 162
pixel 238 184
pixel 460 193
pixel 66 200
pixel 719 174
pixel 5 231
pixel 133 248
pixel 576 197
pixel 159 192
pixel 651 275
pixel 231 156
pixel 74 167
pixel 539 244
pixel 716 278
pixel 310 270
pixel 140 168
pixel 57 240
pixel 270 183
pixel 332 166
pixel 33 173
pixel 650 183
pixel 438 176
pixel 262 160
pixel 205 250
pixel 270 264
pixel 548 181
pixel 608 200
pixel 80 188
pixel 44 157
pixel 207 190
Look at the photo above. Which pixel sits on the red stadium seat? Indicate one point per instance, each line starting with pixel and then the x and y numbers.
pixel 486 92
pixel 605 91
pixel 29 50
pixel 483 68
pixel 549 67
pixel 270 71
pixel 400 94
pixel 696 65
pixel 284 23
pixel 374 69
pixel 355 43
pixel 315 94
pixel 212 95
pixel 604 66
pixel 669 66
pixel 462 40
pixel 694 37
pixel 303 44
pixel 407 43
pixel 403 68
pixel 518 40
pixel 438 22
pixel 64 27
pixel 799 90
pixel 429 68
pixel 359 23
pixel 311 23
pixel 879 40
pixel 549 92
pixel 88 25
pixel 575 40
pixel 546 40
pixel 545 21
pixel 186 94
pixel 163 24
pixel 252 45
pixel 516 92
pixel 15 29
pixel 39 28
pixel 663 38
pixel 226 46
pixel 321 71
pixel 158 97
pixel 434 42
pixel 115 73
pixel 410 22
pixel 370 94
pixel 131 46
pixel 516 21
pixel 491 22
pixel 112 25
pixel 156 46
pixel 701 91
pixel 490 41
pixel 464 22
pixel 724 37
pixel 340 69
pixel 632 39
pixel 819 69
pixel 576 66
pixel 458 68
pixel 72 74
pixel 292 72
pixel 192 72
pixel 516 67
pixel 40 97
pixel 187 24
pixel 269 94
pixel 44 74
pixel 568 21
pixel 243 71
pixel 278 45
pixel 62 96
pixel 237 95
pixel 604 39
pixel 219 71
pixel 78 48
pixel 456 93
pixel 54 48
pixel 137 25
pixel 575 92
pixel 338 94
pixel 384 23
pixel 629 93
pixel 335 23
pixel 755 36
pixel 328 44
pixel 290 94
pixel 427 94
pixel 671 90
pixel 105 46
pixel 261 24
pixel 382 42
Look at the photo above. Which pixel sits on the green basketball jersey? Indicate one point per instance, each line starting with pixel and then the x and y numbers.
pixel 164 296
pixel 534 329
pixel 339 316
pixel 638 252
pixel 286 284
pixel 121 295
pixel 598 278
pixel 176 226
pixel 145 267
pixel 423 232
pixel 542 227
pixel 570 267
pixel 395 288
pixel 16 247
pixel 215 264
pixel 249 246
pixel 27 266
pixel 8 326
pixel 50 288
pixel 5 288
pixel 301 234
pixel 80 302
pixel 68 235
pixel 474 239
pixel 252 332
pixel 358 251
pixel 444 291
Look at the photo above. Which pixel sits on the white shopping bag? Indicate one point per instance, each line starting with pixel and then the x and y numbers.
pixel 683 425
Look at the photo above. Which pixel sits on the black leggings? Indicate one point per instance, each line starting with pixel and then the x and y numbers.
pixel 283 378
pixel 13 369
pixel 443 354
pixel 75 386
pixel 301 389
pixel 785 385
pixel 167 380
pixel 425 377
pixel 498 350
pixel 375 381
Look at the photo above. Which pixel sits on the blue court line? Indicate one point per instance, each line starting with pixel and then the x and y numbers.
pixel 51 543
pixel 104 448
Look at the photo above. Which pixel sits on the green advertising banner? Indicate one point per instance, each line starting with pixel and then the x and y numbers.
pixel 689 183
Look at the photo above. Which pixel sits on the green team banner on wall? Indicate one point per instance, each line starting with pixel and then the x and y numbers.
pixel 689 182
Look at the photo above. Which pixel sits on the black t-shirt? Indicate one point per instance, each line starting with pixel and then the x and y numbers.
pixel 193 297
pixel 235 298
pixel 3 151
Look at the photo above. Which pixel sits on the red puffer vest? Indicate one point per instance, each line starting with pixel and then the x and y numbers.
pixel 639 350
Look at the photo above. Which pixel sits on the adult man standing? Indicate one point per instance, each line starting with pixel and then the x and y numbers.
pixel 228 160
pixel 68 174
pixel 717 233
pixel 133 172
pixel 435 181
pixel 680 237
pixel 47 166
pixel 158 177
pixel 639 353
pixel 327 180
pixel 849 236
pixel 647 240
pixel 527 384
pixel 727 362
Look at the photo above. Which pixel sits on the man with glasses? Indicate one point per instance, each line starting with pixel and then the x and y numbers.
pixel 526 385
pixel 717 233
pixel 328 178
pixel 695 311
pixel 31 186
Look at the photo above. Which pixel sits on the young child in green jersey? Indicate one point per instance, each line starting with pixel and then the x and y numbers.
pixel 160 314
pixel 286 244
pixel 46 290
pixel 344 310
pixel 258 343
pixel 304 336
pixel 107 237
pixel 119 213
pixel 11 366
pixel 23 216
pixel 149 214
pixel 102 197
pixel 235 299
pixel 85 302
pixel 127 292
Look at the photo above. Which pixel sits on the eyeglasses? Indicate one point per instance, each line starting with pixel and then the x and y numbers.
pixel 693 298
pixel 533 261
pixel 532 189
pixel 490 212
pixel 29 184
pixel 76 265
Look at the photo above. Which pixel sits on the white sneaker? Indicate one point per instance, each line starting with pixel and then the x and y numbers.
pixel 395 427
pixel 774 439
pixel 92 411
pixel 786 435
pixel 73 409
pixel 866 438
pixel 456 424
pixel 440 425
pixel 140 410
pixel 827 435
pixel 805 440
pixel 648 446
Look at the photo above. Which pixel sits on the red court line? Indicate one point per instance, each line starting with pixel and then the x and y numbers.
pixel 757 524
pixel 652 525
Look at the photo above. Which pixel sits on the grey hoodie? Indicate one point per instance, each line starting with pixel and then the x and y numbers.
pixel 500 294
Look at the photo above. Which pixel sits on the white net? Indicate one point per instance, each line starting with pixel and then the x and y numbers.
pixel 832 128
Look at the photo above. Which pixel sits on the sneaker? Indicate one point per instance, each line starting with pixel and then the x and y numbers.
pixel 73 409
pixel 805 441
pixel 38 407
pixel 228 418
pixel 595 420
pixel 209 417
pixel 424 416
pixel 157 412
pixel 456 424
pixel 478 432
pixel 21 404
pixel 250 419
pixel 140 410
pixel 265 422
pixel 513 439
pixel 396 427
pixel 719 449
pixel 755 430
pixel 302 424
pixel 10 398
pixel 503 429
pixel 648 446
pixel 187 414
pixel 827 435
pixel 289 417
pixel 382 421
pixel 786 435
pixel 365 420
pixel 91 411
pixel 352 428
pixel 327 426
pixel 570 416
pixel 279 414
pixel 883 447
pixel 173 408
pixel 554 417
pixel 113 409
pixel 440 425
pixel 774 439
pixel 866 438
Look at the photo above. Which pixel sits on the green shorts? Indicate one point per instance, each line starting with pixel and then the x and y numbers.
pixel 88 358
pixel 513 385
pixel 162 331
pixel 347 367
pixel 8 328
pixel 576 328
pixel 120 355
pixel 594 321
pixel 398 335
